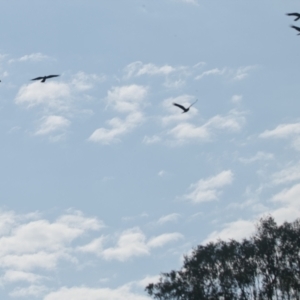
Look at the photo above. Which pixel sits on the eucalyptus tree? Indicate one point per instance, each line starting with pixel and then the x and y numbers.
pixel 265 266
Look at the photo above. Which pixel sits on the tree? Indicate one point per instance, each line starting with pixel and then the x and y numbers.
pixel 264 267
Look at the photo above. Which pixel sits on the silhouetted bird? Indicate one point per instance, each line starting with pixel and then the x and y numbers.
pixel 297 15
pixel 44 78
pixel 297 28
pixel 184 108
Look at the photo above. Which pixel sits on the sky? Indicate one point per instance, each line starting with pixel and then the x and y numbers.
pixel 104 183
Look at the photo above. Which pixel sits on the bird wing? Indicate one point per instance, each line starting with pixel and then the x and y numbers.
pixel 37 78
pixel 193 103
pixel 180 106
pixel 50 76
pixel 295 27
pixel 293 14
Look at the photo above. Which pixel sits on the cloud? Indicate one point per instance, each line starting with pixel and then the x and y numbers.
pixel 184 131
pixel 175 114
pixel 130 243
pixel 236 99
pixel 34 57
pixel 289 196
pixel 11 276
pixel 174 77
pixel 215 71
pixel 83 293
pixel 242 72
pixel 287 210
pixel 138 68
pixel 234 74
pixel 168 218
pixel 161 240
pixel 190 1
pixel 282 131
pixel 259 156
pixel 95 246
pixel 118 128
pixel 285 131
pixel 30 291
pixel 286 175
pixel 40 243
pixel 209 189
pixel 52 95
pixel 58 102
pixel 83 81
pixel 235 230
pixel 125 99
pixel 31 245
pixel 151 139
pixel 52 124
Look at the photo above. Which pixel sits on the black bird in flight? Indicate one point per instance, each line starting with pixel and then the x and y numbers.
pixel 185 109
pixel 297 15
pixel 297 28
pixel 44 78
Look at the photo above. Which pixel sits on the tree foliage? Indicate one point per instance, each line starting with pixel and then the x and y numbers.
pixel 265 266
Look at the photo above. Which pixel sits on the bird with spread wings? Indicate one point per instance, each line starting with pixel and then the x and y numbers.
pixel 297 28
pixel 185 109
pixel 44 78
pixel 297 15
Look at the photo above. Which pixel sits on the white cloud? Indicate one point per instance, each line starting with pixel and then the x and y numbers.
pixel 236 98
pixel 130 243
pixel 148 279
pixel 52 123
pixel 232 122
pixel 40 243
pixel 242 72
pixel 83 293
pixel 184 131
pixel 118 128
pixel 83 81
pixel 260 155
pixel 190 1
pixel 235 230
pixel 30 291
pixel 11 276
pixel 125 99
pixel 137 68
pixel 215 71
pixel 168 218
pixel 54 95
pixel 95 246
pixel 285 131
pixel 161 173
pixel 291 173
pixel 282 131
pixel 34 57
pixel 187 131
pixel 289 196
pixel 161 240
pixel 234 74
pixel 209 189
pixel 151 139
pixel 174 113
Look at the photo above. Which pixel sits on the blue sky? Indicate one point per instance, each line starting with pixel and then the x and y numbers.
pixel 104 183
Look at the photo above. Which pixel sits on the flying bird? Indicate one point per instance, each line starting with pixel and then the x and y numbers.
pixel 297 15
pixel 297 28
pixel 185 109
pixel 44 78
